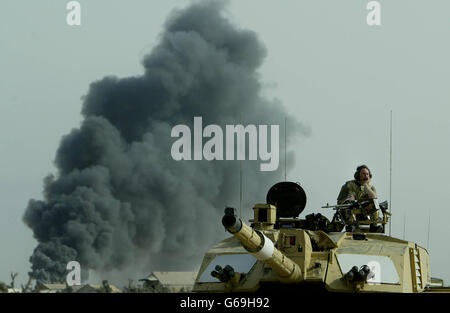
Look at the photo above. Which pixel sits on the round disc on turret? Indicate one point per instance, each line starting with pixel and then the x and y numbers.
pixel 288 197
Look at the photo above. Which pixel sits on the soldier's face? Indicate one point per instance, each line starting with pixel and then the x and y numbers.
pixel 364 176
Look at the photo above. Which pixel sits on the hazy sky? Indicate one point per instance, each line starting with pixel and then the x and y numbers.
pixel 330 69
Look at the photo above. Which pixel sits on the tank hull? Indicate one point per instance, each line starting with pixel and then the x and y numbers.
pixel 323 260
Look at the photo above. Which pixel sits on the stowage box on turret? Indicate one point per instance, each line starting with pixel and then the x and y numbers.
pixel 279 251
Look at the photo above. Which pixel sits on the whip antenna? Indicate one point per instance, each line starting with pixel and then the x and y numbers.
pixel 240 189
pixel 390 176
pixel 429 222
pixel 285 164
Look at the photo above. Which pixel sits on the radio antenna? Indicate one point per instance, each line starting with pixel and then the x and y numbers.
pixel 240 176
pixel 240 189
pixel 429 223
pixel 390 175
pixel 285 164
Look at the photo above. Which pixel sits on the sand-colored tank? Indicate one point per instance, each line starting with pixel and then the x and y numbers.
pixel 279 251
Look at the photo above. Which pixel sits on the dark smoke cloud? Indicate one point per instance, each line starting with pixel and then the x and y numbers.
pixel 118 198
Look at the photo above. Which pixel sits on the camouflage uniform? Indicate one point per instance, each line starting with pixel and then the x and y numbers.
pixel 353 188
pixel 359 193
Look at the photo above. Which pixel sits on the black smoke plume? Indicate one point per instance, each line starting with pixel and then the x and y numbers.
pixel 118 198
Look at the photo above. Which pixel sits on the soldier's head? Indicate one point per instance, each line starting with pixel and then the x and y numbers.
pixel 363 174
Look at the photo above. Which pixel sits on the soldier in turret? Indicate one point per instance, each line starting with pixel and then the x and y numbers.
pixel 359 188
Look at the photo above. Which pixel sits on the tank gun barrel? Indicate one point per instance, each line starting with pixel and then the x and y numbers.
pixel 261 247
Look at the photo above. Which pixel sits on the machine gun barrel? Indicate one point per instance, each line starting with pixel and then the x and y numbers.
pixel 261 247
pixel 337 206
